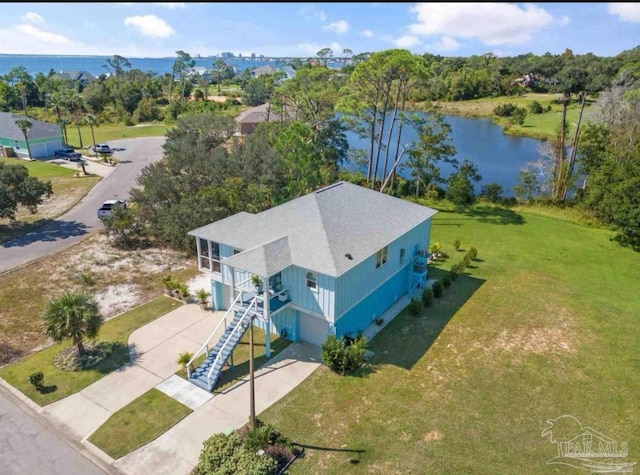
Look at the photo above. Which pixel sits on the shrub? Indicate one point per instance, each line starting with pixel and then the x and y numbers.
pixel 505 110
pixel 466 261
pixel 427 296
pixel 226 455
pixel 414 307
pixel 446 281
pixel 492 192
pixel 455 271
pixel 472 253
pixel 456 244
pixel 184 358
pixel 437 288
pixel 260 436
pixel 342 358
pixel 37 379
pixel 536 108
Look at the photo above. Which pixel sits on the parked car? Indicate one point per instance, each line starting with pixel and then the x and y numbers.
pixel 110 205
pixel 68 153
pixel 102 148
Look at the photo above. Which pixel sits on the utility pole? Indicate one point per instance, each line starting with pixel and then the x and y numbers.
pixel 252 399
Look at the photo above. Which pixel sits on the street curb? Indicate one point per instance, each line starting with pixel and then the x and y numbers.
pixel 34 410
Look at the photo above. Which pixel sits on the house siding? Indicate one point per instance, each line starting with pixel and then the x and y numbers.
pixel 366 311
pixel 357 283
pixel 320 301
pixel 287 320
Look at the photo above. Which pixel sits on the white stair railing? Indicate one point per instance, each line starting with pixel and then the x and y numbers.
pixel 205 345
pixel 253 303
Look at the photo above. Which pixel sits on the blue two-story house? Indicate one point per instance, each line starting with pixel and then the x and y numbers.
pixel 330 262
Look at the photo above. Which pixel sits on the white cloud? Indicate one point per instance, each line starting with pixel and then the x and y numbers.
pixel 447 43
pixel 171 6
pixel 310 11
pixel 312 48
pixel 367 33
pixel 406 41
pixel 32 17
pixel 33 33
pixel 629 12
pixel 339 26
pixel 491 23
pixel 150 25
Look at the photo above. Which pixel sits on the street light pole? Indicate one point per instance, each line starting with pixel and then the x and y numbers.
pixel 252 399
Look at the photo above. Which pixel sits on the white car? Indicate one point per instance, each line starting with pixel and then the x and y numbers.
pixel 102 148
pixel 108 207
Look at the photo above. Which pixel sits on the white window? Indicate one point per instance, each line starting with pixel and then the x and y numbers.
pixel 311 279
pixel 209 255
pixel 381 256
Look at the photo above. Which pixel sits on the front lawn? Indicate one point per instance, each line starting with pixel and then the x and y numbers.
pixel 59 384
pixel 67 191
pixel 543 324
pixel 138 423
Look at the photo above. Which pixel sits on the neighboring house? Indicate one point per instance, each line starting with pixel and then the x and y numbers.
pixel 82 77
pixel 44 138
pixel 262 70
pixel 331 261
pixel 289 72
pixel 251 118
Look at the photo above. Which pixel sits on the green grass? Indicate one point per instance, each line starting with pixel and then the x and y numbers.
pixel 138 423
pixel 232 374
pixel 106 133
pixel 58 383
pixel 67 189
pixel 543 324
pixel 38 169
pixel 539 126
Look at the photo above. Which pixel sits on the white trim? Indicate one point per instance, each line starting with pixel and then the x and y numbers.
pixel 310 312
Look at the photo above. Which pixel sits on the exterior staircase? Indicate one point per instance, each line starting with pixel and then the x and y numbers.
pixel 207 374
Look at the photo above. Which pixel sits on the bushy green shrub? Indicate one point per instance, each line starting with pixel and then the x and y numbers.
pixel 473 253
pixel 427 296
pixel 437 288
pixel 535 107
pixel 226 455
pixel 446 281
pixel 414 307
pixel 466 261
pixel 456 244
pixel 37 380
pixel 505 110
pixel 342 358
pixel 455 272
pixel 260 436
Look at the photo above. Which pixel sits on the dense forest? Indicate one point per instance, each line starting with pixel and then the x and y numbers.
pixel 594 164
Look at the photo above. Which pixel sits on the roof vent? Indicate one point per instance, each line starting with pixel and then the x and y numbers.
pixel 349 256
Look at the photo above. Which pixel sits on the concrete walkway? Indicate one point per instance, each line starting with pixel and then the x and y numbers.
pixel 154 350
pixel 176 452
pixel 92 165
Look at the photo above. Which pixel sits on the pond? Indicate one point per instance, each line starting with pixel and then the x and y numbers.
pixel 499 157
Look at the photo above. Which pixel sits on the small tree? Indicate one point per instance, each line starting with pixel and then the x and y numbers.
pixel 342 358
pixel 25 126
pixel 414 307
pixel 456 244
pixel 74 316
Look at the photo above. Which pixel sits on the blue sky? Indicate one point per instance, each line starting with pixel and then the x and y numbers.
pixel 301 29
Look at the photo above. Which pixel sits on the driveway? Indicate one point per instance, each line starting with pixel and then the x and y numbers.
pixel 156 347
pixel 82 220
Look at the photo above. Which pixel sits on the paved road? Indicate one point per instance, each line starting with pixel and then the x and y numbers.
pixel 134 155
pixel 30 445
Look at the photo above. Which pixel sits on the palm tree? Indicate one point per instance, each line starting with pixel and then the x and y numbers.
pixel 63 122
pixel 75 102
pixel 25 126
pixel 74 316
pixel 92 121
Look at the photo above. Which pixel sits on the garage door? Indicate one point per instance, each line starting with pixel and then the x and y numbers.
pixel 313 329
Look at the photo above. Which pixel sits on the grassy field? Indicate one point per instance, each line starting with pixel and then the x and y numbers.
pixel 540 126
pixel 58 383
pixel 138 423
pixel 544 324
pixel 106 133
pixel 67 191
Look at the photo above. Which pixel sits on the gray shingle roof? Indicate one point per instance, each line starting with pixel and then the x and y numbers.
pixel 321 228
pixel 264 260
pixel 39 129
